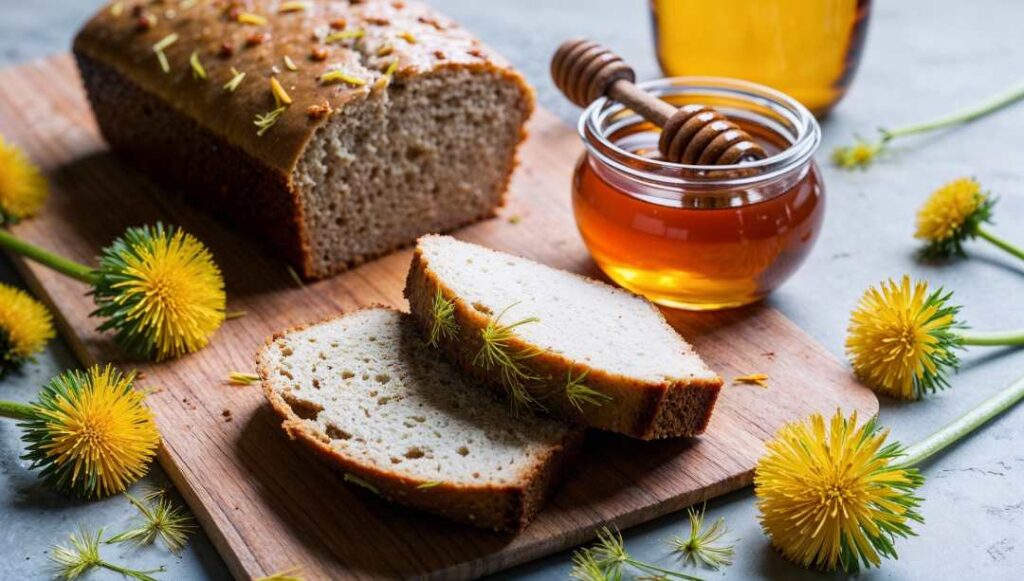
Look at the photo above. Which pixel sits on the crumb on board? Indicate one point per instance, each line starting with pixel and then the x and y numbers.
pixel 758 379
pixel 515 219
pixel 227 415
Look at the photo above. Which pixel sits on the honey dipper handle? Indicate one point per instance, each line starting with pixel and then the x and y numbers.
pixel 645 104
pixel 694 134
pixel 584 70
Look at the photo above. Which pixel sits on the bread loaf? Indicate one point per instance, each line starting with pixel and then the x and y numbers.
pixel 367 394
pixel 335 131
pixel 558 342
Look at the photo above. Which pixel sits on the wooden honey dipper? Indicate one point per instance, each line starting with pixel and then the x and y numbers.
pixel 692 134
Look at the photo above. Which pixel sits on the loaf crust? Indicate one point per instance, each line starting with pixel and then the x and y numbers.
pixel 192 134
pixel 499 508
pixel 641 409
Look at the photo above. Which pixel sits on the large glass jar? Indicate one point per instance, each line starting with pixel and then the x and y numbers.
pixel 805 48
pixel 691 236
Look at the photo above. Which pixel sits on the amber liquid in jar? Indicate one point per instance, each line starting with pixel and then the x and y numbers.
pixel 697 252
pixel 808 49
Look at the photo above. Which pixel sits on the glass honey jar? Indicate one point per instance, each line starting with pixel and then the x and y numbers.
pixel 691 236
pixel 806 48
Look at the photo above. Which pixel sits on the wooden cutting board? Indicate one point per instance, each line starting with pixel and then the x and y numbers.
pixel 267 504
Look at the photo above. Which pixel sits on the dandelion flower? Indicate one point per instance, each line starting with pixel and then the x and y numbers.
pixel 834 495
pixel 902 338
pixel 157 288
pixel 860 154
pixel 863 152
pixel 23 188
pixel 82 554
pixel 953 213
pixel 837 495
pixel 161 291
pixel 704 546
pixel 25 327
pixel 607 558
pixel 160 519
pixel 90 432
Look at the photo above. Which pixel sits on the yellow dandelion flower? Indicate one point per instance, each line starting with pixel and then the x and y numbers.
pixel 860 154
pixel 833 495
pixel 161 291
pixel 863 152
pixel 23 189
pixel 158 288
pixel 952 214
pixel 901 338
pixel 25 327
pixel 956 212
pixel 90 432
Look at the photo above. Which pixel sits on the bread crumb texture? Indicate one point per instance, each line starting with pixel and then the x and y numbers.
pixel 368 384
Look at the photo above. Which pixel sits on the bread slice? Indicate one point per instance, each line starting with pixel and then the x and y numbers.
pixel 580 349
pixel 366 393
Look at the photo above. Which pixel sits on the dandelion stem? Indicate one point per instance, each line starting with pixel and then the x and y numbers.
pixel 965 424
pixel 16 411
pixel 47 258
pixel 994 338
pixel 963 116
pixel 999 242
pixel 140 575
pixel 663 573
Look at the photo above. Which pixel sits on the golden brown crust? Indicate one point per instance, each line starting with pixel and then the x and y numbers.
pixel 414 32
pixel 500 508
pixel 639 409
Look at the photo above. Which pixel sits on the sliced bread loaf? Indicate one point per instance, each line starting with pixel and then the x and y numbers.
pixel 334 131
pixel 367 394
pixel 578 348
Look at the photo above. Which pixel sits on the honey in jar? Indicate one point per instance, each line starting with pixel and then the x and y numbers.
pixel 700 237
pixel 806 48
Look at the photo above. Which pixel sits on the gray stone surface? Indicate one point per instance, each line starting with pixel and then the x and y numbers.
pixel 922 58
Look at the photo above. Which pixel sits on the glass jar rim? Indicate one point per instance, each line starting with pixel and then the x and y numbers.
pixel 593 131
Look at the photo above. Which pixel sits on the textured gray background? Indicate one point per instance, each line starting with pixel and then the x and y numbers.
pixel 922 58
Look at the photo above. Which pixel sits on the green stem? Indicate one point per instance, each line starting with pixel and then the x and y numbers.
pixel 993 338
pixel 665 572
pixel 999 242
pixel 44 257
pixel 139 575
pixel 962 116
pixel 965 424
pixel 16 411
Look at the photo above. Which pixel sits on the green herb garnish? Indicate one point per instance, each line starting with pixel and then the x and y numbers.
pixel 265 121
pixel 496 353
pixel 579 393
